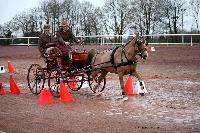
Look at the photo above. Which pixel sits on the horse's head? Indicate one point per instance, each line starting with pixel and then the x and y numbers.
pixel 141 44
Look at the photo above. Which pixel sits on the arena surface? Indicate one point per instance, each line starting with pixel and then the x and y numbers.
pixel 172 78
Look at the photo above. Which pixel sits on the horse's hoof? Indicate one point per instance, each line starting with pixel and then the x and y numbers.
pixel 141 94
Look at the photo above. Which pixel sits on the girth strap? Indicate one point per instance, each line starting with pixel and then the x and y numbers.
pixel 126 63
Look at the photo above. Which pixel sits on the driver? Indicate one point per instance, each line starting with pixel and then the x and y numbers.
pixel 65 38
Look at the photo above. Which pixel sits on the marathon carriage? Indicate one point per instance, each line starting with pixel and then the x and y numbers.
pixel 75 71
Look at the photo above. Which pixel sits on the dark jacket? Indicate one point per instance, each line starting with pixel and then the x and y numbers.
pixel 43 42
pixel 65 36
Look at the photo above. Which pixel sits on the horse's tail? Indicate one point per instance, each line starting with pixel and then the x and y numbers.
pixel 91 54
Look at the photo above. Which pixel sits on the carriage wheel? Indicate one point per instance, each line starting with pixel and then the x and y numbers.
pixel 93 82
pixel 35 78
pixel 75 82
pixel 55 75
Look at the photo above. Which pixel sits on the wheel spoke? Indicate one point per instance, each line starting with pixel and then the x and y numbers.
pixel 75 82
pixel 54 81
pixel 94 81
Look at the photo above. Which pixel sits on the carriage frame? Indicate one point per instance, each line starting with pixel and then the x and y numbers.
pixel 74 73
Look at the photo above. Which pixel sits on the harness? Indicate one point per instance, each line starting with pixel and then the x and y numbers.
pixel 115 65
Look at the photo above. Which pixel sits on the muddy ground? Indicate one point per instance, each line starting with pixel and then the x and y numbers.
pixel 172 78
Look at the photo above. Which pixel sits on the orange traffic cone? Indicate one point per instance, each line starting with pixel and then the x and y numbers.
pixel 14 89
pixel 72 84
pixel 1 89
pixel 64 94
pixel 45 97
pixel 128 89
pixel 10 68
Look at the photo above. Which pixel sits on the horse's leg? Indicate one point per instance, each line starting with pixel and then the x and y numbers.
pixel 100 78
pixel 140 80
pixel 121 80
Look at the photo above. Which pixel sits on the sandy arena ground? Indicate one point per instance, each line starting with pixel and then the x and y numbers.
pixel 172 78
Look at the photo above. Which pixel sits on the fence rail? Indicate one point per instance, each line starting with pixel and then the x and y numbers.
pixel 165 39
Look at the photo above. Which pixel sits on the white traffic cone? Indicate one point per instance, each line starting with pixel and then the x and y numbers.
pixel 153 49
pixel 138 88
pixel 2 69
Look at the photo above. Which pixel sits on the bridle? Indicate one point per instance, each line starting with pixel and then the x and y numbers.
pixel 138 44
pixel 141 51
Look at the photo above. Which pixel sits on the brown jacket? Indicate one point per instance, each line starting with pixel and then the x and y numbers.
pixel 43 42
pixel 65 36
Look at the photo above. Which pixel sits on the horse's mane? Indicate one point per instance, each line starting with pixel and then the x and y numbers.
pixel 129 41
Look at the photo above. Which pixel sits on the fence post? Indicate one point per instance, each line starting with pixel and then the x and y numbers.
pixel 122 40
pixel 167 40
pixel 28 41
pixel 191 41
pixel 103 41
pixel 12 40
pixel 182 39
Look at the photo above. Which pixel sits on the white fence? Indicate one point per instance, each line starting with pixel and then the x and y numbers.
pixel 103 39
pixel 15 38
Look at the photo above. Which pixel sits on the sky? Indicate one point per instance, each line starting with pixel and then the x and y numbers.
pixel 9 8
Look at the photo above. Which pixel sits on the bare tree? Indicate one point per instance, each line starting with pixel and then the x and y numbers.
pixel 66 9
pixel 69 11
pixel 21 22
pixel 1 30
pixel 52 11
pixel 7 29
pixel 117 13
pixel 115 17
pixel 85 18
pixel 172 13
pixel 195 6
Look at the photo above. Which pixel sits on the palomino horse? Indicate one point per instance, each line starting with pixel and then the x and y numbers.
pixel 120 60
